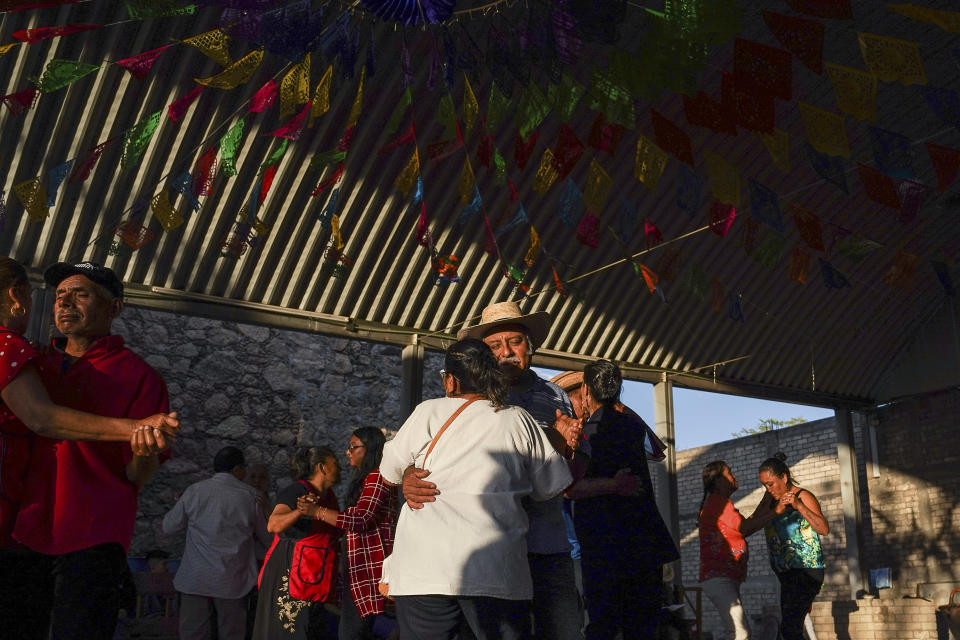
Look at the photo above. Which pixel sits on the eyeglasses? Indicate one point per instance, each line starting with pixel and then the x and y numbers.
pixel 356 446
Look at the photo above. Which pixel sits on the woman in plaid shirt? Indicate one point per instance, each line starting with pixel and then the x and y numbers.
pixel 369 521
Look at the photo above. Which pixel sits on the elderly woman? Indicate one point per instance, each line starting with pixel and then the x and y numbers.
pixel 464 557
pixel 793 540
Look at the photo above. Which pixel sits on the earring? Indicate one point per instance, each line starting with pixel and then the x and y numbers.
pixel 18 310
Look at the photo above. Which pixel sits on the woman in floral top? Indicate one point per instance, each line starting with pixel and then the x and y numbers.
pixel 723 548
pixel 793 540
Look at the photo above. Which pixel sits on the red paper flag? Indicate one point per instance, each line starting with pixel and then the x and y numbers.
pixel 522 149
pixel 879 186
pixel 705 111
pixel 671 138
pixel 809 228
pixel 651 234
pixel 649 277
pixel 329 182
pixel 604 136
pixel 294 127
pixel 721 217
pixel 267 181
pixel 139 65
pixel 800 264
pixel 567 151
pixel 203 172
pixel 801 37
pixel 264 98
pixel 902 270
pixel 178 108
pixel 588 231
pixel 406 137
pixel 485 151
pixel 346 140
pixel 946 162
pixel 43 33
pixel 514 196
pixel 837 9
pixel 439 150
pixel 760 69
pixel 424 239
pixel 669 265
pixel 558 284
pixel 20 101
pixel 489 241
pixel 753 111
pixel 82 170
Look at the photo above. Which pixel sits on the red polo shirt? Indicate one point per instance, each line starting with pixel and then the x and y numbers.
pixel 77 494
pixel 15 437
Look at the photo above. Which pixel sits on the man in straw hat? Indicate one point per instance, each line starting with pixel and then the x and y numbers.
pixel 513 336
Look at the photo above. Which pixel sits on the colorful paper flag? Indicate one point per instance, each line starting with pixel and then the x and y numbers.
pixel 295 87
pixel 567 151
pixel 892 153
pixel 519 219
pixel 406 99
pixel 467 182
pixel 912 195
pixel 649 162
pixel 236 74
pixel 836 9
pixel 651 234
pixel 408 176
pixel 471 209
pixel 857 248
pixel 705 111
pixel 204 172
pixel 546 173
pixel 523 148
pixel 471 107
pixel 497 106
pixel 946 162
pixel 533 248
pixel 770 249
pixel 139 65
pixel 178 108
pixel 808 226
pixel 721 217
pixel 37 34
pixel 264 98
pixel 136 139
pixel 598 187
pixel 765 205
pixel 447 115
pixel 777 144
pixel 33 197
pixel 357 107
pixel 588 231
pixel 21 100
pixel 945 104
pixel 724 179
pixel 801 37
pixel 605 136
pixel 164 212
pixel 856 91
pixel 671 138
pixel 946 20
pixel 229 144
pixel 56 175
pixel 892 59
pixel 214 44
pixel 833 278
pixel 183 184
pixel 570 208
pixel 826 131
pixel 901 272
pixel 690 191
pixel 879 187
pixel 59 73
pixel 762 69
pixel 830 168
pixel 294 128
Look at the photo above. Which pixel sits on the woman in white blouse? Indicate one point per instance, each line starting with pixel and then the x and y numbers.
pixel 464 557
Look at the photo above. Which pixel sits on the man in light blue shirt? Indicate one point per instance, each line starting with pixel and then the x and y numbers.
pixel 224 525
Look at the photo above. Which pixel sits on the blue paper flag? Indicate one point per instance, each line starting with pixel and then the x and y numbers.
pixel 943 275
pixel 471 209
pixel 56 176
pixel 571 204
pixel 830 168
pixel 418 193
pixel 892 153
pixel 765 205
pixel 181 184
pixel 690 192
pixel 945 104
pixel 519 220
pixel 734 308
pixel 832 277
pixel 328 211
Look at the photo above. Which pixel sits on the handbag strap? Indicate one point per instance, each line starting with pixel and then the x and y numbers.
pixel 444 428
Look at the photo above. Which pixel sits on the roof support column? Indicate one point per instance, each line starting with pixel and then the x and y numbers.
pixel 850 497
pixel 666 472
pixel 41 316
pixel 411 393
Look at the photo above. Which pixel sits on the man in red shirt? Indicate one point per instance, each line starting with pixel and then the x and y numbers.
pixel 80 502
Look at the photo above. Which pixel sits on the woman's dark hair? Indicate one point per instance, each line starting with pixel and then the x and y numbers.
pixel 306 459
pixel 777 466
pixel 475 367
pixel 711 472
pixel 373 441
pixel 12 274
pixel 604 380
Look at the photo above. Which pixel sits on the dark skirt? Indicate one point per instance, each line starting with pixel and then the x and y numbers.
pixel 280 617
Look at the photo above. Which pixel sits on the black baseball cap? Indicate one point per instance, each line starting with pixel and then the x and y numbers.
pixel 57 273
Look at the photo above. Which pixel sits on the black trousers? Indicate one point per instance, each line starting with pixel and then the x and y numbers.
pixel 621 596
pixel 435 617
pixel 26 592
pixel 86 593
pixel 798 588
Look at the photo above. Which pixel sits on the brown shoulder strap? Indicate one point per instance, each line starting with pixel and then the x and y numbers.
pixel 444 428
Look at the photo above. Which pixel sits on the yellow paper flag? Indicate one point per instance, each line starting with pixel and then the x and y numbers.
pixel 534 249
pixel 467 182
pixel 335 232
pixel 471 107
pixel 826 132
pixel 650 162
pixel 546 173
pixel 33 196
pixel 213 44
pixel 599 185
pixel 856 91
pixel 5 48
pixel 724 179
pixel 946 20
pixel 778 146
pixel 892 59
pixel 236 74
pixel 408 176
pixel 358 101
pixel 164 212
pixel 321 96
pixel 295 87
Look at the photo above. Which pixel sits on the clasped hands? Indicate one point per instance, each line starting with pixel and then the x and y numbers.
pixel 154 434
pixel 309 506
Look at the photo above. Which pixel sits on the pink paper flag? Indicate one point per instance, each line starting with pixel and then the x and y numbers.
pixel 178 108
pixel 292 129
pixel 264 98
pixel 139 65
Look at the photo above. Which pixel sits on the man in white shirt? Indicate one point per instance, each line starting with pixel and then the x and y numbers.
pixel 224 525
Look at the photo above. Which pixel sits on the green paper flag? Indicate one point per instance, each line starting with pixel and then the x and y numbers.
pixel 228 148
pixel 770 250
pixel 497 106
pixel 565 96
pixel 59 73
pixel 325 158
pixel 136 139
pixel 500 173
pixel 276 155
pixel 405 100
pixel 447 116
pixel 146 9
pixel 531 111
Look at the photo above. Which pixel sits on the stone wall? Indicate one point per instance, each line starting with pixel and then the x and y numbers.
pixel 264 390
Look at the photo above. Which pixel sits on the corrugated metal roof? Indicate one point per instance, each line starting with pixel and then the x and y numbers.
pixel 830 344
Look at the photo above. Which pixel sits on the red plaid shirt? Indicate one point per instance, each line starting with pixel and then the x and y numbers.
pixel 370 526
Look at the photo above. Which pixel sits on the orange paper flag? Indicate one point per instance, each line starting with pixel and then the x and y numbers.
pixel 236 74
pixel 357 106
pixel 321 96
pixel 546 173
pixel 164 212
pixel 649 163
pixel 599 185
pixel 856 91
pixel 408 176
pixel 826 131
pixel 946 20
pixel 533 249
pixel 892 59
pixel 467 182
pixel 295 87
pixel 33 196
pixel 213 44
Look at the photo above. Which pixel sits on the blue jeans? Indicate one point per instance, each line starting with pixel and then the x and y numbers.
pixel 557 610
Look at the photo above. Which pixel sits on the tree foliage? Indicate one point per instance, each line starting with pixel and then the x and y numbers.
pixel 768 424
